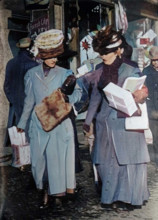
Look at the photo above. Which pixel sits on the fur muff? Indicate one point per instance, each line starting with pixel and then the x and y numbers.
pixel 52 110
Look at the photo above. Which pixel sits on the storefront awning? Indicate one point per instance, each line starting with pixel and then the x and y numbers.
pixel 143 8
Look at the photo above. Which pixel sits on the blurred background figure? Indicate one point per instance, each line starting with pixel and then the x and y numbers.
pixel 152 102
pixel 14 82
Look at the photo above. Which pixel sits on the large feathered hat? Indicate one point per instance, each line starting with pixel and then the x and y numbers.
pixel 107 40
pixel 49 44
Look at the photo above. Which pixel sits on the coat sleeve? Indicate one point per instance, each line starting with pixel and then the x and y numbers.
pixel 95 100
pixel 29 101
pixel 151 100
pixel 152 111
pixel 8 82
pixel 77 93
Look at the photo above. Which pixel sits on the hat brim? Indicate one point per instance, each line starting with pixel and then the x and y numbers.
pixel 147 54
pixel 22 46
pixel 67 54
pixel 45 54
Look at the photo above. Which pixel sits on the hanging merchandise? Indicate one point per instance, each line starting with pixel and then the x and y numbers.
pixel 110 16
pixel 143 43
pixel 120 18
pixel 86 49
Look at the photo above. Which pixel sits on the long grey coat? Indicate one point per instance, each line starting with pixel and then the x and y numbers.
pixel 130 146
pixel 120 155
pixel 51 151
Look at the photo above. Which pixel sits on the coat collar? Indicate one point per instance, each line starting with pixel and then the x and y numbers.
pixel 52 74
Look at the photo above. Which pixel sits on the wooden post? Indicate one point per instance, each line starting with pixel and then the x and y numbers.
pixel 51 14
pixel 63 16
pixel 5 55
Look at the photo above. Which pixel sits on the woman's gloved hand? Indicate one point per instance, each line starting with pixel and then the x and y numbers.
pixel 69 84
pixel 86 128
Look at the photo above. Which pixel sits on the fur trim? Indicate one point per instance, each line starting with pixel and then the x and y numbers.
pixel 50 53
pixel 53 110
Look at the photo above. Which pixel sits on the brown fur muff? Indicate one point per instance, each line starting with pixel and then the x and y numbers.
pixel 52 110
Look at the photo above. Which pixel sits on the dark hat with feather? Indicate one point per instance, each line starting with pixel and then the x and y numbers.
pixel 107 40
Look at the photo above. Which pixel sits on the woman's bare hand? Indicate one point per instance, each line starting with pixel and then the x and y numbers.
pixel 141 95
pixel 20 130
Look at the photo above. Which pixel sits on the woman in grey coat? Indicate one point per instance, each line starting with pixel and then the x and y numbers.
pixel 120 156
pixel 52 152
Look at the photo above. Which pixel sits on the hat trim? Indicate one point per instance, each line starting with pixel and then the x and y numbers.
pixel 51 53
pixel 18 45
pixel 116 44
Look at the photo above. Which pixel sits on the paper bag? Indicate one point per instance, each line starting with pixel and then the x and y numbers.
pixel 148 136
pixel 21 148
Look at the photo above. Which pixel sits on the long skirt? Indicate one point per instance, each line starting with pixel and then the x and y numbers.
pixel 126 183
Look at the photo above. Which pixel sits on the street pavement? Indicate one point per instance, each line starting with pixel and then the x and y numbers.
pixel 18 202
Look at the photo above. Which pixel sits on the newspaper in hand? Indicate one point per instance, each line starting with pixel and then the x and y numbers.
pixel 121 98
pixel 136 122
pixel 133 83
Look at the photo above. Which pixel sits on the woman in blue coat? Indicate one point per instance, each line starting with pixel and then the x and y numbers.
pixel 120 156
pixel 52 152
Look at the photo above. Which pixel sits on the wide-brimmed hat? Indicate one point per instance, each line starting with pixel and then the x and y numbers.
pixel 152 53
pixel 50 44
pixel 24 42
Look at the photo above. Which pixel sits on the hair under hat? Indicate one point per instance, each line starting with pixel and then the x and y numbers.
pixel 50 44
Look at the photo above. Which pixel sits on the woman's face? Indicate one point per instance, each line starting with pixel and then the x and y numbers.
pixel 51 62
pixel 109 58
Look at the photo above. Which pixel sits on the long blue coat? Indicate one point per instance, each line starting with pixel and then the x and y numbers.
pixel 119 155
pixel 51 151
pixel 16 69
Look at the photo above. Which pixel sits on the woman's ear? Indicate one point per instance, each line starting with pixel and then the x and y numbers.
pixel 119 52
pixel 122 50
